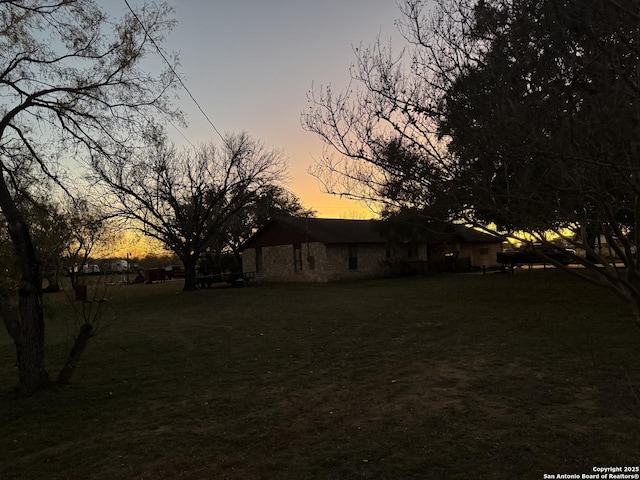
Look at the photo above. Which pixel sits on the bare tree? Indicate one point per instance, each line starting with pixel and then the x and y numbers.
pixel 86 227
pixel 392 104
pixel 185 199
pixel 517 113
pixel 89 320
pixel 71 87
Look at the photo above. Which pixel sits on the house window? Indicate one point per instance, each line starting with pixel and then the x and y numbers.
pixel 297 257
pixel 353 257
pixel 259 260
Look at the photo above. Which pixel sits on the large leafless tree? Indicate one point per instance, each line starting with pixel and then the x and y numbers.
pixel 517 113
pixel 71 87
pixel 185 199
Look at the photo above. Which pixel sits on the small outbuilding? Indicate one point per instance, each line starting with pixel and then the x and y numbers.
pixel 291 249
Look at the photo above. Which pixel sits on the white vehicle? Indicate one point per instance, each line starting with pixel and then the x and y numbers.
pixel 88 268
pixel 119 266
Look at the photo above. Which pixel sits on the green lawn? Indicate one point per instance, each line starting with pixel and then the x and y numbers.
pixel 447 377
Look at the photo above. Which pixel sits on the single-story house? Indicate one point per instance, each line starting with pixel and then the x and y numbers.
pixel 320 249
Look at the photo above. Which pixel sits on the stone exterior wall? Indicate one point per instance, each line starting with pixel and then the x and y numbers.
pixel 370 258
pixel 326 263
pixel 320 262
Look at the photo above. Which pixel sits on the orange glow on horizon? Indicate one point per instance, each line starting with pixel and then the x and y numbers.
pixel 132 244
pixel 138 246
pixel 326 205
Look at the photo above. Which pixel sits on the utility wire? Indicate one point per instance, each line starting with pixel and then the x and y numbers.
pixel 180 132
pixel 166 60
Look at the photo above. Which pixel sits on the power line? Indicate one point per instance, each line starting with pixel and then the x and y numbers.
pixel 180 132
pixel 166 60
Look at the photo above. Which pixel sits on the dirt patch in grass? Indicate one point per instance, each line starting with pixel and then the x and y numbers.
pixel 453 377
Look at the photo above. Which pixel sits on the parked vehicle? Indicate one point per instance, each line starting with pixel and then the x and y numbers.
pixel 534 254
pixel 88 269
pixel 174 271
pixel 119 266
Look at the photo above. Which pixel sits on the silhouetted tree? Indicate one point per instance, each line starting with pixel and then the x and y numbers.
pixel 186 199
pixel 85 227
pixel 71 86
pixel 518 113
pixel 545 127
pixel 64 232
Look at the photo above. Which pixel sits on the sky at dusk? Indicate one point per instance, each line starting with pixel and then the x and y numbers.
pixel 250 64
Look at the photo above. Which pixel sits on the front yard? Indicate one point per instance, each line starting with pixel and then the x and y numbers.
pixel 452 377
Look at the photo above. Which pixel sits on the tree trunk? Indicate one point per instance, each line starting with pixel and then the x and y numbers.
pixel 190 282
pixel 29 340
pixel 27 326
pixel 85 333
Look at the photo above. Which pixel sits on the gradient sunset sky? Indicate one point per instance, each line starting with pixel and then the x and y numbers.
pixel 250 64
